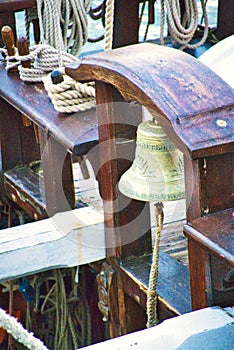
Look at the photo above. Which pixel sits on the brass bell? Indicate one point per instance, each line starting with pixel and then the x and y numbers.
pixel 157 172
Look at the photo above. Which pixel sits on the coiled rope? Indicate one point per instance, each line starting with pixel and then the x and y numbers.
pixel 62 307
pixel 67 96
pixel 182 29
pixel 70 96
pixel 72 16
pixel 43 58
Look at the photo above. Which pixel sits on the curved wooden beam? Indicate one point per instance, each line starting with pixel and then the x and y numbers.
pixel 192 103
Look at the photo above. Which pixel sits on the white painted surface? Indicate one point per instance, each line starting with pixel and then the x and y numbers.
pixel 220 58
pixel 65 240
pixel 170 334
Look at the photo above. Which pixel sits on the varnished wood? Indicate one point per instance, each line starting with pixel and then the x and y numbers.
pixel 217 234
pixel 8 40
pixel 7 18
pixel 22 187
pixel 211 257
pixel 157 77
pixel 225 25
pixel 197 116
pixel 57 174
pixel 23 49
pixel 126 23
pixel 59 133
pixel 38 108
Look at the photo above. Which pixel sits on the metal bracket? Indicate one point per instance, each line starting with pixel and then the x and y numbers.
pixel 104 280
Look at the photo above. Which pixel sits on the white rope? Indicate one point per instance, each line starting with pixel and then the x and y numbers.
pixel 109 21
pixel 71 15
pixel 10 324
pixel 69 95
pixel 183 29
pixel 43 58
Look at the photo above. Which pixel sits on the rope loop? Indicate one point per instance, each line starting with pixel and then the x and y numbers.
pixel 183 28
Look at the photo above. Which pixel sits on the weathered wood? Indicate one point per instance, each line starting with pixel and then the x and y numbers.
pixel 173 285
pixel 158 77
pixel 211 257
pixel 65 240
pixel 33 101
pixel 24 187
pixel 57 175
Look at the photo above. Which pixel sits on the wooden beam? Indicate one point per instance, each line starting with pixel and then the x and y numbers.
pixel 67 239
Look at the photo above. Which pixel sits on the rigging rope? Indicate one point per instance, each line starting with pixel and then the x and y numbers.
pixel 182 29
pixel 71 15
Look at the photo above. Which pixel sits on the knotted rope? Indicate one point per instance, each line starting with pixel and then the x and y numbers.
pixel 151 304
pixel 10 324
pixel 182 29
pixel 69 95
pixel 43 58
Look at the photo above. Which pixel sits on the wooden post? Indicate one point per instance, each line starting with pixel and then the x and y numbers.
pixel 225 23
pixel 126 23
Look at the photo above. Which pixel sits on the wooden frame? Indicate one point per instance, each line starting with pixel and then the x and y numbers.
pixel 191 114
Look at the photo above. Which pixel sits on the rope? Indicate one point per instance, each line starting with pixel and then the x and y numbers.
pixel 10 324
pixel 151 304
pixel 63 309
pixel 44 59
pixel 67 96
pixel 183 29
pixel 71 15
pixel 29 16
pixel 109 20
pixel 70 96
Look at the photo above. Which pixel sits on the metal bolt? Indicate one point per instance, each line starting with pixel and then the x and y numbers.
pixel 221 123
pixel 13 198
